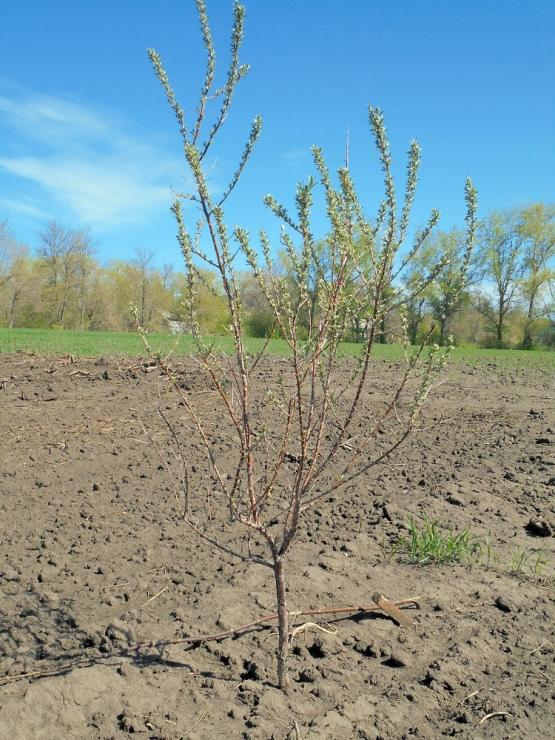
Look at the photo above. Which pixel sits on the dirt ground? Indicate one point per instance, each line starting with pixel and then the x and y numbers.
pixel 94 558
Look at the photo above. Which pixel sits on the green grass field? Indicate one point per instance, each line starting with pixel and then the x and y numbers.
pixel 116 344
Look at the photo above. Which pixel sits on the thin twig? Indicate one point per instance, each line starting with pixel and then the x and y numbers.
pixel 308 625
pixel 155 596
pixel 493 714
pixel 195 724
pixel 469 696
pixel 543 644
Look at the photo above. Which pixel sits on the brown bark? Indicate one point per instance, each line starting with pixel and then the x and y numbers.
pixel 283 624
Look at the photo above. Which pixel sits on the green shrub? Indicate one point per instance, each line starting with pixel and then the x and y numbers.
pixel 260 324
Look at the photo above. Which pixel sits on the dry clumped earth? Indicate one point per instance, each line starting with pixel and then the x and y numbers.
pixel 90 532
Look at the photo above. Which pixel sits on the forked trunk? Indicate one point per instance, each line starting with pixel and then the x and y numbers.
pixel 283 625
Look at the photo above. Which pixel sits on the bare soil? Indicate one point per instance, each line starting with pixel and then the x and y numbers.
pixel 94 558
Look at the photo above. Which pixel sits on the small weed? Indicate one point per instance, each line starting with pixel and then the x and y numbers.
pixel 529 562
pixel 388 549
pixel 482 552
pixel 427 545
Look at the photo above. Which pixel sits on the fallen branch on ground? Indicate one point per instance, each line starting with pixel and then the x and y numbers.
pixel 391 608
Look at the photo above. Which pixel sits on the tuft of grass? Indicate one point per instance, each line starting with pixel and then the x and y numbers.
pixel 482 552
pixel 528 562
pixel 428 545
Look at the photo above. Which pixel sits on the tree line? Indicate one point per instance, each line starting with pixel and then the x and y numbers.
pixel 506 298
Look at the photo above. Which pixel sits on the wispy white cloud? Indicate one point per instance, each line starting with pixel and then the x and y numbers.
pixel 52 119
pixel 97 191
pixel 295 155
pixel 85 160
pixel 21 206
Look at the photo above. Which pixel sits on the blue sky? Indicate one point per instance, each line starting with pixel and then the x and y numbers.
pixel 86 137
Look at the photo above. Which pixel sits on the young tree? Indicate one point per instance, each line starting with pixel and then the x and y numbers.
pixel 537 230
pixel 502 254
pixel 263 495
pixel 315 278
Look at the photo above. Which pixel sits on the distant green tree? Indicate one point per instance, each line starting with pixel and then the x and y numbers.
pixel 460 271
pixel 501 248
pixel 64 255
pixel 19 287
pixel 10 251
pixel 415 307
pixel 212 314
pixel 259 320
pixel 537 229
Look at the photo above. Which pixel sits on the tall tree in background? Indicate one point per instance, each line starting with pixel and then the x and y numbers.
pixel 459 273
pixel 139 285
pixel 62 283
pixel 415 305
pixel 14 272
pixel 212 310
pixel 85 272
pixel 142 264
pixel 19 287
pixel 537 229
pixel 8 252
pixel 53 248
pixel 501 250
pixel 64 254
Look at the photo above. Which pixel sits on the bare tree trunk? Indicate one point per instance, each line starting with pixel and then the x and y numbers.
pixel 63 303
pixel 528 341
pixel 413 330
pixel 15 297
pixel 500 328
pixel 62 309
pixel 283 625
pixel 382 339
pixel 503 307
